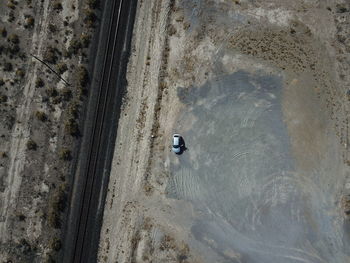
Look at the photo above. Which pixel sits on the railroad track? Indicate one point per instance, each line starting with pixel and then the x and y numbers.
pixel 94 173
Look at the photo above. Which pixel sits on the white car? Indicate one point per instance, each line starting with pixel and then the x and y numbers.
pixel 177 143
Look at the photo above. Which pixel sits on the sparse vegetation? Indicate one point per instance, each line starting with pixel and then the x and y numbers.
pixel 90 18
pixel 20 73
pixel 52 92
pixel 92 3
pixel 62 67
pixel 3 32
pixel 57 100
pixel 11 17
pixel 50 55
pixel 29 23
pixel 31 145
pixel 171 30
pixel 71 127
pixel 8 66
pixel 66 94
pixel 74 47
pixel 54 219
pixel 341 8
pixel 14 39
pixel 57 205
pixel 85 40
pixel 57 6
pixel 65 154
pixel 39 83
pixel 73 110
pixel 16 48
pixel 11 5
pixel 83 76
pixel 21 217
pixel 13 49
pixel 52 28
pixel 55 244
pixel 3 98
pixel 41 116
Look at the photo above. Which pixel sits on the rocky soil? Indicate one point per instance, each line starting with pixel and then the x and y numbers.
pixel 43 87
pixel 178 44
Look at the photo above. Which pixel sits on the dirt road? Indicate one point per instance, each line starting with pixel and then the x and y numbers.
pixel 258 90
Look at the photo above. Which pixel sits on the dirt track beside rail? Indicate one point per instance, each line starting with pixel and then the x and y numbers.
pixel 259 91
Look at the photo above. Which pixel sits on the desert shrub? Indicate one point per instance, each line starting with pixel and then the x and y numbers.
pixel 39 83
pixel 341 8
pixel 74 47
pixel 41 116
pixel 53 218
pixel 55 244
pixel 3 154
pixel 57 100
pixel 57 6
pixel 62 67
pixel 83 76
pixel 92 3
pixel 171 30
pixel 52 28
pixel 13 49
pixel 21 217
pixel 71 127
pixel 82 92
pixel 11 16
pixel 52 92
pixel 85 40
pixel 90 17
pixel 24 246
pixel 3 32
pixel 59 198
pixel 50 55
pixel 3 98
pixel 11 5
pixel 57 204
pixel 8 66
pixel 66 54
pixel 20 73
pixel 13 38
pixel 29 22
pixel 2 82
pixel 66 94
pixel 73 110
pixel 65 154
pixel 9 121
pixel 49 259
pixel 31 145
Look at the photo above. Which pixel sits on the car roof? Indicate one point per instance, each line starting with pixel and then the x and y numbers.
pixel 176 140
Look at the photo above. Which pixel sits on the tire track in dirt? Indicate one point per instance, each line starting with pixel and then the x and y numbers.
pixel 21 130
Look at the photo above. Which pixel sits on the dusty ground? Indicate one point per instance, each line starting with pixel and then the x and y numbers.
pixel 259 91
pixel 39 121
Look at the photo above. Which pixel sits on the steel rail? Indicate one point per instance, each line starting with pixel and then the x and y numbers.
pixel 98 128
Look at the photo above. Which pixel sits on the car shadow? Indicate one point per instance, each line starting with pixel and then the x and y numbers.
pixel 183 147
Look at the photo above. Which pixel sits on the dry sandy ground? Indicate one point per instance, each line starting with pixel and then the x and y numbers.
pixel 175 44
pixel 33 177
